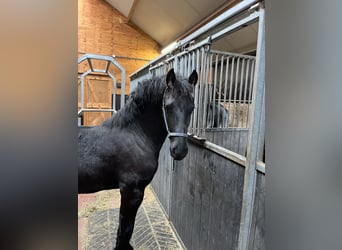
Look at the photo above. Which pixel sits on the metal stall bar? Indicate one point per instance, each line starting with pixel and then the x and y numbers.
pixel 230 90
pixel 242 79
pixel 114 87
pixel 201 83
pixel 232 54
pixel 208 77
pixel 225 83
pixel 212 94
pixel 192 66
pixel 250 90
pixel 253 139
pixel 96 110
pixel 82 87
pixel 196 94
pixel 236 25
pixel 220 119
pixel 90 64
pixel 186 65
pixel 236 84
pixel 107 67
pixel 245 102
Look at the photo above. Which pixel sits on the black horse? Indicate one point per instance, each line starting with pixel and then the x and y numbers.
pixel 218 115
pixel 123 151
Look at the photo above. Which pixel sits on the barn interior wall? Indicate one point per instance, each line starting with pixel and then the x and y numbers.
pixel 104 30
pixel 202 197
pixel 206 200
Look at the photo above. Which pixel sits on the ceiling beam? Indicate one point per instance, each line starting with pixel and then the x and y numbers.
pixel 206 20
pixel 131 11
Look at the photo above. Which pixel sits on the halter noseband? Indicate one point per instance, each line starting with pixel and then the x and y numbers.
pixel 170 134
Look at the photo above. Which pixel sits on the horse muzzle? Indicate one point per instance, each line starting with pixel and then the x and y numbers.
pixel 178 148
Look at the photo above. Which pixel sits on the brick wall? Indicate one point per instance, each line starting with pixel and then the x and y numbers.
pixel 103 30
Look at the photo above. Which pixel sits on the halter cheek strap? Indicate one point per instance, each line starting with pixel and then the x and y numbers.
pixel 170 134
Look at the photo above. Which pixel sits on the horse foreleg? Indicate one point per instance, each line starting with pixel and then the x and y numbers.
pixel 131 199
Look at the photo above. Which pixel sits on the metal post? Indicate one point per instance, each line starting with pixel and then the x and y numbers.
pixel 253 140
pixel 123 87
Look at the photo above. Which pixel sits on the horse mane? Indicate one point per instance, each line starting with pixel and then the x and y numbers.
pixel 149 91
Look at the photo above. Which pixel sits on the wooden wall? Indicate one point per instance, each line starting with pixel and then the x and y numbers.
pixel 202 196
pixel 234 139
pixel 206 200
pixel 162 180
pixel 103 30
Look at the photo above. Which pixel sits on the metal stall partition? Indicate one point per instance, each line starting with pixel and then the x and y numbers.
pixel 111 68
pixel 215 196
pixel 223 95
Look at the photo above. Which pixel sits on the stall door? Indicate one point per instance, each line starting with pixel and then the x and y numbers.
pixel 97 95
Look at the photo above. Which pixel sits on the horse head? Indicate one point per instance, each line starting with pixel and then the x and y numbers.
pixel 178 104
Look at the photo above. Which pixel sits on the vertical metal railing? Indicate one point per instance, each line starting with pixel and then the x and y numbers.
pixel 223 93
pixel 223 96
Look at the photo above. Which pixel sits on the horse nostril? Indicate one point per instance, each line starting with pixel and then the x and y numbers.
pixel 173 150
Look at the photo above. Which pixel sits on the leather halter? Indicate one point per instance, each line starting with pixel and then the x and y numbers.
pixel 170 134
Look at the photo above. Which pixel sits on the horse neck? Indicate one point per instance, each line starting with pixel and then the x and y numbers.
pixel 151 122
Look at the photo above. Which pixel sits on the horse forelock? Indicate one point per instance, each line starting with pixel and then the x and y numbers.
pixel 183 87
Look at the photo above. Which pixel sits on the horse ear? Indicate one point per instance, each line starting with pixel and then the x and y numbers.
pixel 193 78
pixel 170 78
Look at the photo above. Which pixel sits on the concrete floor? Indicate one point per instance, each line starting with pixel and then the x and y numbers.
pixel 98 221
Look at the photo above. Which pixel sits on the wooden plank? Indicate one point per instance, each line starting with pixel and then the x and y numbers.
pixel 232 139
pixel 187 204
pixel 216 233
pixel 206 207
pixel 235 141
pixel 194 163
pixel 233 180
pixel 206 186
pixel 161 181
pixel 195 222
pixel 243 137
pixel 174 215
